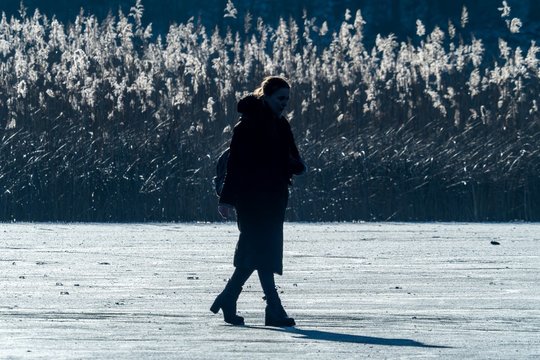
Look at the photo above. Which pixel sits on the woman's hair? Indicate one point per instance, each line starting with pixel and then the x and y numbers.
pixel 270 85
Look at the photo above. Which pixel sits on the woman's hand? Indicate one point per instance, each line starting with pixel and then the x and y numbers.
pixel 297 166
pixel 226 211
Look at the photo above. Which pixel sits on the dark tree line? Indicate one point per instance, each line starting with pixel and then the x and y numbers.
pixel 385 16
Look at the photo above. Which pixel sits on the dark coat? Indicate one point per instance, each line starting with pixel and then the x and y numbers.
pixel 262 160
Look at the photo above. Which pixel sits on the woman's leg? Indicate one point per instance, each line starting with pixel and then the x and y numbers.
pixel 226 301
pixel 275 315
pixel 239 277
pixel 268 285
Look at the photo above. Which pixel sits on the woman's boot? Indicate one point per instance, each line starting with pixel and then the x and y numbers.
pixel 275 314
pixel 226 301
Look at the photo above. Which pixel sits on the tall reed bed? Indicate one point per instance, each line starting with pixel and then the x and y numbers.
pixel 103 121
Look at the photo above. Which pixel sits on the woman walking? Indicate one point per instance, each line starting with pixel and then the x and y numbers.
pixel 263 157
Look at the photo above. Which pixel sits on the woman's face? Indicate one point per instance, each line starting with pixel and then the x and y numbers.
pixel 278 100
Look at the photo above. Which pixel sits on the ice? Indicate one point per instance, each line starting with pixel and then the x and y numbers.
pixel 379 290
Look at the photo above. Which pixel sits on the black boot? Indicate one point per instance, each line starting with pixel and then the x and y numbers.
pixel 275 314
pixel 226 301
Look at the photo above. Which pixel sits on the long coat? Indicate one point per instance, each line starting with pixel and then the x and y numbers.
pixel 262 160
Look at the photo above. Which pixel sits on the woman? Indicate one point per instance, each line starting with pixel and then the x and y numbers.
pixel 263 157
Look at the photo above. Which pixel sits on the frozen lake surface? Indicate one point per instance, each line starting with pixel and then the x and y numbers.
pixel 392 290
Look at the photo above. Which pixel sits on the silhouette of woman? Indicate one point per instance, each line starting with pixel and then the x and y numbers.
pixel 262 160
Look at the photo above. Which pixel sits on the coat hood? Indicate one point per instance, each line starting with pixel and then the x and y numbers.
pixel 249 105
